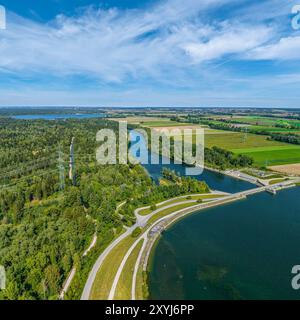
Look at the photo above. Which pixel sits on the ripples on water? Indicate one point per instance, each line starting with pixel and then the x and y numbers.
pixel 243 250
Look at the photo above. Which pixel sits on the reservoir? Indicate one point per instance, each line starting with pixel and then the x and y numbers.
pixel 242 250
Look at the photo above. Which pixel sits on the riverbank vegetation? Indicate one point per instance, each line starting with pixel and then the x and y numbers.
pixel 238 134
pixel 155 194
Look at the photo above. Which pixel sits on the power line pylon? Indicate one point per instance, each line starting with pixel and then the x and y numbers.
pixel 266 163
pixel 72 174
pixel 61 169
pixel 246 134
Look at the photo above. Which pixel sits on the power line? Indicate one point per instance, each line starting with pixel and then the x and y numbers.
pixel 72 174
pixel 19 171
pixel 28 163
pixel 61 169
pixel 26 178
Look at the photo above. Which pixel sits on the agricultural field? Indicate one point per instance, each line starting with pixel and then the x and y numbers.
pixel 265 121
pixel 274 157
pixel 163 123
pixel 152 122
pixel 139 120
pixel 238 140
pixel 288 169
pixel 268 124
pixel 274 129
pixel 264 152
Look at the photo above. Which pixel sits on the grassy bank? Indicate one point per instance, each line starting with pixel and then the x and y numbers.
pixel 186 198
pixel 123 291
pixel 108 270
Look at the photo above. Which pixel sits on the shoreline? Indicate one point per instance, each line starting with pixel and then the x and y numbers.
pixel 144 258
pixel 147 256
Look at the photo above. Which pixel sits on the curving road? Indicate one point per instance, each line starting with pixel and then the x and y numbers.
pixel 178 214
pixel 141 222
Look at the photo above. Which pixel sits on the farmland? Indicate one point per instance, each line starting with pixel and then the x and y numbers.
pixel 164 123
pixel 274 156
pixel 263 150
pixel 237 140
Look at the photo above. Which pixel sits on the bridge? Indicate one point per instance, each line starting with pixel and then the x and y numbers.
pixel 269 188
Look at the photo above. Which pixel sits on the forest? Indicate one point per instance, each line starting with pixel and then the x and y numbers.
pixel 45 229
pixel 223 159
pixel 179 186
pixel 47 223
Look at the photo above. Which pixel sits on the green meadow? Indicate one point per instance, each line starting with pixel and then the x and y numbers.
pixel 272 156
pixel 238 140
pixel 265 121
pixel 274 129
pixel 263 151
pixel 163 123
pixel 259 147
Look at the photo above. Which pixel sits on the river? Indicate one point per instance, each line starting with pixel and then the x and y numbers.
pixel 242 250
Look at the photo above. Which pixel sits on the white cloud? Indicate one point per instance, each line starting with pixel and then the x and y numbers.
pixel 170 45
pixel 234 41
pixel 112 45
pixel 285 49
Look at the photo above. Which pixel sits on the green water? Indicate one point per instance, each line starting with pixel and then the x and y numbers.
pixel 244 250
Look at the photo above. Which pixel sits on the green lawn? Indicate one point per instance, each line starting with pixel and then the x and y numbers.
pixel 168 211
pixel 239 141
pixel 265 121
pixel 277 181
pixel 275 157
pixel 106 273
pixel 262 150
pixel 123 291
pixel 259 149
pixel 164 123
pixel 141 284
pixel 109 267
pixel 207 196
pixel 274 129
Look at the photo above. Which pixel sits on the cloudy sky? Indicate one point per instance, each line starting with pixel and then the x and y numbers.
pixel 150 53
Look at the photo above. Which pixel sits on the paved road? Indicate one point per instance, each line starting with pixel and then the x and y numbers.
pixel 141 222
pixel 145 237
pixel 92 276
pixel 73 271
pixel 122 265
pixel 67 284
pixel 184 212
pixel 92 245
pixel 136 269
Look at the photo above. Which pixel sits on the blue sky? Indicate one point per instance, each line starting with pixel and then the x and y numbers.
pixel 150 53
